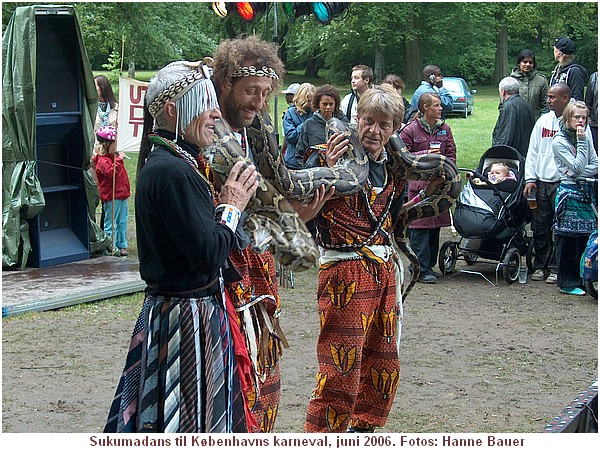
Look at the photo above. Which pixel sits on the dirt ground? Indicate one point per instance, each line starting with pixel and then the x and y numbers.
pixel 474 358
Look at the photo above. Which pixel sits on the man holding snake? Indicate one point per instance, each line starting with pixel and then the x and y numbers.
pixel 360 277
pixel 245 72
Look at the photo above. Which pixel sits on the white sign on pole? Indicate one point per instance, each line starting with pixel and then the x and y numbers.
pixel 131 114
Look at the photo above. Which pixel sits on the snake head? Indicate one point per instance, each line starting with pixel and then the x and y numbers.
pixel 335 125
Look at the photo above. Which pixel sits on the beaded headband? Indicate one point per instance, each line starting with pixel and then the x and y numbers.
pixel 252 71
pixel 180 87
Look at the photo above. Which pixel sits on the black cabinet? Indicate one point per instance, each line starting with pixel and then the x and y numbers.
pixel 60 233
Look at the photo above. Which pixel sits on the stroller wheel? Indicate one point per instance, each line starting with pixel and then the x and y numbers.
pixel 470 258
pixel 447 257
pixel 512 264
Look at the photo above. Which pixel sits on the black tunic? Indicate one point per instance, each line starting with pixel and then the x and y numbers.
pixel 180 244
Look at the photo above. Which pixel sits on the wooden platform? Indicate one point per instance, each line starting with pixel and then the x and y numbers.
pixel 68 284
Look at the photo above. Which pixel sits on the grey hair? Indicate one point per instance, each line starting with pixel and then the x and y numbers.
pixel 510 85
pixel 190 104
pixel 382 99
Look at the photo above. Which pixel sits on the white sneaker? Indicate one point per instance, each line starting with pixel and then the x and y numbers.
pixel 538 275
pixel 551 279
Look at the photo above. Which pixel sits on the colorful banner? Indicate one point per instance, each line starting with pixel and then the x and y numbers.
pixel 131 114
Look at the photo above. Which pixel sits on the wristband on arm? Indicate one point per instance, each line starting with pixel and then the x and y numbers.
pixel 421 196
pixel 228 215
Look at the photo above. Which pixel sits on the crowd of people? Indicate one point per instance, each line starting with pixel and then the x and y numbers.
pixel 206 350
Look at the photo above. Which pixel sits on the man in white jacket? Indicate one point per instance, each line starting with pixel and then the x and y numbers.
pixel 542 177
pixel 361 79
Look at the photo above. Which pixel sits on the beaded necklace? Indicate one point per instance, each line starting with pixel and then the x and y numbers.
pixel 178 151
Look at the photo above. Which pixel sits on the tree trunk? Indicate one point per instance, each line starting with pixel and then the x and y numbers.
pixel 131 69
pixel 313 65
pixel 379 70
pixel 413 61
pixel 413 67
pixel 501 70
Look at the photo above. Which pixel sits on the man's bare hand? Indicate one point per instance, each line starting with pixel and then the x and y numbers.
pixel 434 185
pixel 310 210
pixel 337 145
pixel 240 186
pixel 529 188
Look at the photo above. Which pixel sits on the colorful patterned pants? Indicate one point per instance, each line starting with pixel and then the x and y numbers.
pixel 359 367
pixel 257 303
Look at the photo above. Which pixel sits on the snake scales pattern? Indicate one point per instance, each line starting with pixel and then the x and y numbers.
pixel 273 221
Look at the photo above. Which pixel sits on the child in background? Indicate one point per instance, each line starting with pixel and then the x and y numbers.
pixel 110 171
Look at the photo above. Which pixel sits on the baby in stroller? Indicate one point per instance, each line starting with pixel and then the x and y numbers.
pixel 491 214
pixel 498 172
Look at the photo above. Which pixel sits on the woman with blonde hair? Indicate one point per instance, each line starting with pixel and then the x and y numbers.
pixel 293 121
pixel 574 218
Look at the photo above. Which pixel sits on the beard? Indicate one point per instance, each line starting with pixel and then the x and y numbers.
pixel 233 114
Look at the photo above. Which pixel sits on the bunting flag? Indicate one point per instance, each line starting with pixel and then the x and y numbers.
pixel 131 114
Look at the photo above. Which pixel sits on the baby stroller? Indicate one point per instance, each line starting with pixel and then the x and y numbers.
pixel 491 218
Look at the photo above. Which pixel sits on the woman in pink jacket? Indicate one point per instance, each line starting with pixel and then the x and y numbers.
pixel 428 134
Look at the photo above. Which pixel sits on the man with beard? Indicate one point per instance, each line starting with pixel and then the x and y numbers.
pixel 245 72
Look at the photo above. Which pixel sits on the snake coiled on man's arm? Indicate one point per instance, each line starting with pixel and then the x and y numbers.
pixel 274 222
pixel 426 167
pixel 348 175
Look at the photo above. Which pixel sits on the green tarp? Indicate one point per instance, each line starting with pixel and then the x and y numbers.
pixel 22 196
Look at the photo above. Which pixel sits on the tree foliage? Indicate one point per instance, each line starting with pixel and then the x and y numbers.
pixel 467 39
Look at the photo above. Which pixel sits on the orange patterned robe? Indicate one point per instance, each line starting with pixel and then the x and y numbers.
pixel 357 349
pixel 257 304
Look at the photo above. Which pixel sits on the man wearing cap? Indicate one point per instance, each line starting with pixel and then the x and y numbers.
pixel 290 92
pixel 568 70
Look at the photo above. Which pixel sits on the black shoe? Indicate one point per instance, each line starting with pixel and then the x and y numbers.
pixel 352 429
pixel 428 278
pixel 435 273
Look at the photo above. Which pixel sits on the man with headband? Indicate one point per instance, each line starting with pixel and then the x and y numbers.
pixel 246 71
pixel 184 369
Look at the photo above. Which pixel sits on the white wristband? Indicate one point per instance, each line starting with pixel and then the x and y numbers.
pixel 228 215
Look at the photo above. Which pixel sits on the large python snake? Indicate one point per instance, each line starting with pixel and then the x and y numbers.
pixel 350 173
pixel 348 176
pixel 273 221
